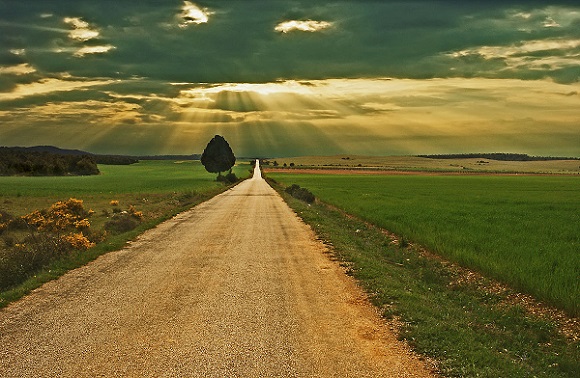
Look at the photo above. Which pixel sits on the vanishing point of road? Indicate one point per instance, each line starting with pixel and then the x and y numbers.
pixel 236 287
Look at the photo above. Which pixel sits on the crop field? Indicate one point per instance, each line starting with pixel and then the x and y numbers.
pixel 414 163
pixel 521 230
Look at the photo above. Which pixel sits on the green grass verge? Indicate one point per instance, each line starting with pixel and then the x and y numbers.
pixel 521 230
pixel 469 331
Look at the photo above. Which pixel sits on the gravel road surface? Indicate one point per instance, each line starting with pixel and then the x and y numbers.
pixel 236 287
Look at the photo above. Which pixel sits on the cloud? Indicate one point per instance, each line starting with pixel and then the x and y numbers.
pixel 550 23
pixel 193 14
pixel 521 49
pixel 81 29
pixel 90 50
pixel 363 73
pixel 304 26
pixel 49 85
pixel 20 69
pixel 544 55
pixel 368 38
pixel 18 52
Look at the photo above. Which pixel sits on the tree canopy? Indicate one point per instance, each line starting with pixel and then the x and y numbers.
pixel 217 156
pixel 33 163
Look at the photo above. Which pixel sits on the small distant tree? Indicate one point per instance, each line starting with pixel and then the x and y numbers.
pixel 218 157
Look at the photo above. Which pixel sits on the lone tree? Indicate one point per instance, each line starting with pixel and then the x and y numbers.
pixel 218 157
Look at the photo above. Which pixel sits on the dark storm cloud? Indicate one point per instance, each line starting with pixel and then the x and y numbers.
pixel 238 43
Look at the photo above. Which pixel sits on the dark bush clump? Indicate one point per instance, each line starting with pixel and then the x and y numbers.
pixel 5 220
pixel 302 194
pixel 230 178
pixel 121 223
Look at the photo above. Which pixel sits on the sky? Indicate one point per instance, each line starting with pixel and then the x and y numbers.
pixel 284 78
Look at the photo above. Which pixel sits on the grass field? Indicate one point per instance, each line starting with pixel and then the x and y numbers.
pixel 467 326
pixel 148 176
pixel 153 189
pixel 143 184
pixel 413 163
pixel 521 230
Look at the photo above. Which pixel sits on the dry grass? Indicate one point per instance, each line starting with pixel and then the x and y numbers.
pixel 426 164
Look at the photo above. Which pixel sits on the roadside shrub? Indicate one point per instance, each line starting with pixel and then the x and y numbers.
pixel 49 234
pixel 230 178
pixel 302 194
pixel 134 213
pixel 121 223
pixel 22 259
pixel 187 198
pixel 124 221
pixel 9 241
pixel 5 221
pixel 60 217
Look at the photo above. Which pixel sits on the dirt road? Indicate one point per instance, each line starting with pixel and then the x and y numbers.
pixel 236 287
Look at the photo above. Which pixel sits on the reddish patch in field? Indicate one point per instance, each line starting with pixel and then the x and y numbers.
pixel 389 172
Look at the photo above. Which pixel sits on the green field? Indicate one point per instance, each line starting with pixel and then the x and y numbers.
pixel 148 176
pixel 141 184
pixel 153 189
pixel 522 230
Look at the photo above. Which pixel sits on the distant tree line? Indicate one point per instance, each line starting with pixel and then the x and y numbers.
pixel 497 156
pixel 114 159
pixel 99 159
pixel 169 157
pixel 105 159
pixel 32 163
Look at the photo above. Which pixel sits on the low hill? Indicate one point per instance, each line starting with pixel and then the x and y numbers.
pixel 103 158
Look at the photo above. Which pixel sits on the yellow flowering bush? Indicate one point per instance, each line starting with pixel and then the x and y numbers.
pixel 134 213
pixel 62 222
pixel 3 225
pixel 59 217
pixel 78 241
pixel 82 224
pixel 43 236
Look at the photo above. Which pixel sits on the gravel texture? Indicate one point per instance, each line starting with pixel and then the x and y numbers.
pixel 236 287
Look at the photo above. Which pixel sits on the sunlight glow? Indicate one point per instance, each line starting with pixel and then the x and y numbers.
pixel 330 116
pixel 20 69
pixel 260 88
pixel 192 14
pixel 305 26
pixel 81 30
pixel 45 86
pixel 93 50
